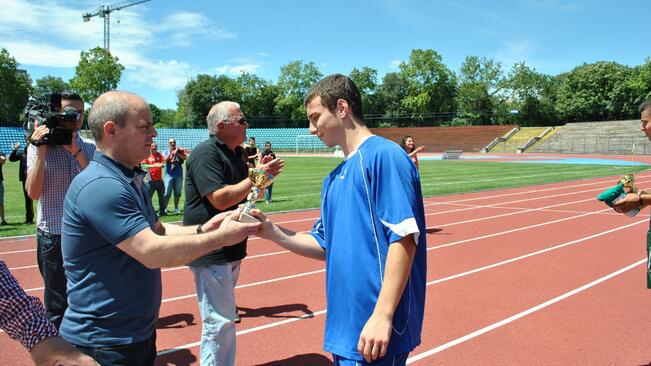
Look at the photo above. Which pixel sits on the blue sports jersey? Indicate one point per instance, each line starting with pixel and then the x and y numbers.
pixel 372 199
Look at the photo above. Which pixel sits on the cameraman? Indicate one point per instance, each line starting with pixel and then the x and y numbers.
pixel 50 169
pixel 174 158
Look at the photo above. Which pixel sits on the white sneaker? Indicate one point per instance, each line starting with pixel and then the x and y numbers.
pixel 177 211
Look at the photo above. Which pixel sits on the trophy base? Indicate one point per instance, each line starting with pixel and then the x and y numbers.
pixel 247 219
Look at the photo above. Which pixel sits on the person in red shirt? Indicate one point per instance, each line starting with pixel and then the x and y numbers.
pixel 155 162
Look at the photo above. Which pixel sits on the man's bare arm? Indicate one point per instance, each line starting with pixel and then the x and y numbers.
pixel 157 251
pixel 375 336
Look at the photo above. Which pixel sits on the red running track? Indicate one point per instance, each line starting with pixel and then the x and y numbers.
pixel 535 275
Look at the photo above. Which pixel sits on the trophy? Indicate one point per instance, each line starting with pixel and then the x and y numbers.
pixel 261 180
pixel 624 186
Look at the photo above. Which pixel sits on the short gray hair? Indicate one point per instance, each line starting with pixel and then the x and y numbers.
pixel 218 113
pixel 646 106
pixel 112 106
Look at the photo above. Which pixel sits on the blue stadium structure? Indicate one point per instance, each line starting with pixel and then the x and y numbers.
pixel 281 138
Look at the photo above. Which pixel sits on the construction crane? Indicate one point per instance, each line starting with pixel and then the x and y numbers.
pixel 105 11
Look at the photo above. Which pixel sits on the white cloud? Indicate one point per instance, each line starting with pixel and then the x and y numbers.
pixel 28 53
pixel 236 70
pixel 395 64
pixel 181 29
pixel 514 51
pixel 161 75
pixel 53 33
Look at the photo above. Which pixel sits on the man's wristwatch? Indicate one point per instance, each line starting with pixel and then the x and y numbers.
pixel 199 230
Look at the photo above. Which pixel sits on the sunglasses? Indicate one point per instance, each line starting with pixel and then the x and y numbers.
pixel 240 121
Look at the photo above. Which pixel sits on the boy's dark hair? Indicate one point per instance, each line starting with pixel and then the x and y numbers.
pixel 646 106
pixel 335 87
pixel 70 95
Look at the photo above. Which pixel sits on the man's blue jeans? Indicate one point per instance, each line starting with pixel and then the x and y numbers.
pixel 50 264
pixel 215 286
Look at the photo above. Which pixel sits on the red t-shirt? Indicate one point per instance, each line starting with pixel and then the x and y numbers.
pixel 155 158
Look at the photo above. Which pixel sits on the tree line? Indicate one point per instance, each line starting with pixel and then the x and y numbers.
pixel 422 92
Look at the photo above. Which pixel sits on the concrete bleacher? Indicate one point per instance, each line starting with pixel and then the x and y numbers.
pixel 440 139
pixel 608 137
pixel 518 140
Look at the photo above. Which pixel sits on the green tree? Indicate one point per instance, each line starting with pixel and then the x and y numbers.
pixel 200 94
pixel 366 81
pixel 640 85
pixel 16 88
pixel 163 118
pixel 256 97
pixel 295 80
pixel 96 73
pixel 481 84
pixel 389 99
pixel 47 85
pixel 595 92
pixel 431 86
pixel 533 95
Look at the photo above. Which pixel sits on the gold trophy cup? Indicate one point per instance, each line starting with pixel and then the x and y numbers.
pixel 261 180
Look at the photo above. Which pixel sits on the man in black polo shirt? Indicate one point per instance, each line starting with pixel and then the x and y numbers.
pixel 217 180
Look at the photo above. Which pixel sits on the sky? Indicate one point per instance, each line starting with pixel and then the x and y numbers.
pixel 165 43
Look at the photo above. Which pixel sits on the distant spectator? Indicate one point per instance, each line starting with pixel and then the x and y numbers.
pixel 174 158
pixel 251 152
pixel 154 162
pixel 21 155
pixel 265 152
pixel 411 149
pixel 3 159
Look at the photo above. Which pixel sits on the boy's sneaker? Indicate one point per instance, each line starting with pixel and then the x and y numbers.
pixel 177 211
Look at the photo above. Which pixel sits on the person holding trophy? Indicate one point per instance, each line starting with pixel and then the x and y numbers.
pixel 218 180
pixel 371 234
pixel 635 200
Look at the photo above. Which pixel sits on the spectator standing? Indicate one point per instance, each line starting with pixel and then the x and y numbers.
pixel 411 149
pixel 174 158
pixel 217 180
pixel 251 152
pixel 154 163
pixel 50 169
pixel 267 152
pixel 20 155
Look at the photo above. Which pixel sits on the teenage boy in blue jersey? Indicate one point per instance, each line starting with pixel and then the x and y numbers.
pixel 371 234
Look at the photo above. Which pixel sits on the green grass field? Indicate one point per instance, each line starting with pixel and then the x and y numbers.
pixel 299 186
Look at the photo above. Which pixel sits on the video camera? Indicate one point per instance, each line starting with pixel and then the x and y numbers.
pixel 51 116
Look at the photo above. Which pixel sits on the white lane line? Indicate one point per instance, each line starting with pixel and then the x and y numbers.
pixel 277 279
pixel 517 316
pixel 250 330
pixel 529 191
pixel 443 203
pixel 512 230
pixel 430 283
pixel 442 245
pixel 549 249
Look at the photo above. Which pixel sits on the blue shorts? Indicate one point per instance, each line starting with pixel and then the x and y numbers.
pixel 395 360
